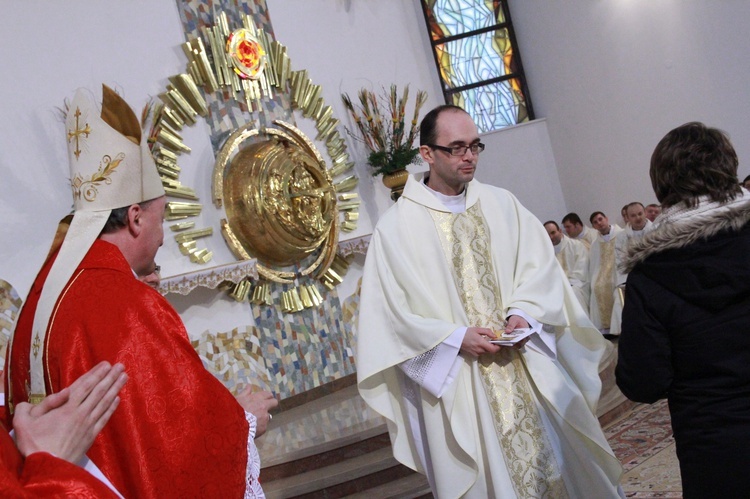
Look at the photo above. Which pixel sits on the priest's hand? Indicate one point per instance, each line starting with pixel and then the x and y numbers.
pixel 258 404
pixel 517 322
pixel 66 423
pixel 477 341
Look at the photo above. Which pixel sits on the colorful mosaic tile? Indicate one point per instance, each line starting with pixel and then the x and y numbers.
pixel 10 305
pixel 306 349
pixel 351 312
pixel 235 358
pixel 226 114
pixel 292 352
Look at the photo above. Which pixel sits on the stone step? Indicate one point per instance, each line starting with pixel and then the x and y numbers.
pixel 414 486
pixel 612 403
pixel 328 476
pixel 327 457
pixel 323 425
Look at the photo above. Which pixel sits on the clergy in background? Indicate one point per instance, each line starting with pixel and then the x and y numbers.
pixel 573 257
pixel 575 229
pixel 603 272
pixel 452 267
pixel 638 225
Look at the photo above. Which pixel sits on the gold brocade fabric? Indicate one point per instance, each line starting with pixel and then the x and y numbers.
pixel 604 285
pixel 528 454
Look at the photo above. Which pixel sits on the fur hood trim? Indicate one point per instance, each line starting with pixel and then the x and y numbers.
pixel 679 234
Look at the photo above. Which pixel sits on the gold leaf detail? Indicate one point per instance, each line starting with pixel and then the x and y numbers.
pixel 88 188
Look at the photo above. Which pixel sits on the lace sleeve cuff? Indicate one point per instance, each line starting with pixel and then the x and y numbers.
pixel 252 485
pixel 435 369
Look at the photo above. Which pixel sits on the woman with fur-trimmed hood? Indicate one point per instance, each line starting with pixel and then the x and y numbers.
pixel 686 321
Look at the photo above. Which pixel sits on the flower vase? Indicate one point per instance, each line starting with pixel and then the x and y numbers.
pixel 396 181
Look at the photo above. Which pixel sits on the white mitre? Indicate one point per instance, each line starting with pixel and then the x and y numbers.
pixel 110 167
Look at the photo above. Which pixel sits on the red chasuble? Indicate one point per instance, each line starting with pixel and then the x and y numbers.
pixel 178 432
pixel 43 475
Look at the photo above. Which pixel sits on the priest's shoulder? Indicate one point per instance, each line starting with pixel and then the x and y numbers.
pixel 495 193
pixel 107 284
pixel 388 216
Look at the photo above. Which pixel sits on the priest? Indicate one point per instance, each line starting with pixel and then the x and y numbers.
pixel 603 272
pixel 573 257
pixel 178 431
pixel 638 226
pixel 575 229
pixel 453 266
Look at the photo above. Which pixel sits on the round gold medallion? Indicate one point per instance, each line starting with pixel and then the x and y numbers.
pixel 279 199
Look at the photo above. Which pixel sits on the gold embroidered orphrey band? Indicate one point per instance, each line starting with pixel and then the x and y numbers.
pixel 604 284
pixel 521 434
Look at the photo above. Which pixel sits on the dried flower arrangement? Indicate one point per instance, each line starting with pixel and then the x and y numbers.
pixel 390 147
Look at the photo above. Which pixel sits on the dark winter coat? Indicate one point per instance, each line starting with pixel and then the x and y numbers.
pixel 686 337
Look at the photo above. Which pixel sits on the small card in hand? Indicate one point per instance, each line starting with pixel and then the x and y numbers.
pixel 510 339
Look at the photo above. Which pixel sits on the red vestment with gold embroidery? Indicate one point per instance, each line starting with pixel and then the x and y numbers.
pixel 178 432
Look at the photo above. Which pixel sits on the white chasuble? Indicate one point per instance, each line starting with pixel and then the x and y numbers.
pixel 520 431
pixel 573 257
pixel 519 424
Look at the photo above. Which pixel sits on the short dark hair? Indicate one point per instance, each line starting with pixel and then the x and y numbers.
pixel 428 127
pixel 746 179
pixel 118 218
pixel 572 218
pixel 691 161
pixel 635 203
pixel 553 223
pixel 593 216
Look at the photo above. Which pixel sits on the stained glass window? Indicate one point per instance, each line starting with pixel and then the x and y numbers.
pixel 477 58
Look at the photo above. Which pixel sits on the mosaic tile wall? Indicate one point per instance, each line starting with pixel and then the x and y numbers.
pixel 225 113
pixel 10 305
pixel 286 354
pixel 296 352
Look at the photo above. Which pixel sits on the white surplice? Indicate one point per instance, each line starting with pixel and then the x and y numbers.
pixel 518 424
pixel 587 237
pixel 573 257
pixel 622 241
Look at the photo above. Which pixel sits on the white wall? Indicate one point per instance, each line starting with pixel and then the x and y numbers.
pixel 50 48
pixel 609 77
pixel 520 159
pixel 614 76
pixel 352 44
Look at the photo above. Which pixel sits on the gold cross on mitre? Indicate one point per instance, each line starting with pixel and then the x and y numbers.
pixel 75 134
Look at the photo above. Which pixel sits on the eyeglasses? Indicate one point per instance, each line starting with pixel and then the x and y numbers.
pixel 475 149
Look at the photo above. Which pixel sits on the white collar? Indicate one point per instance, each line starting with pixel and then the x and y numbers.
pixel 454 204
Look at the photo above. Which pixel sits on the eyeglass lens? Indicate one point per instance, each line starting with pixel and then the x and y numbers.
pixel 461 150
